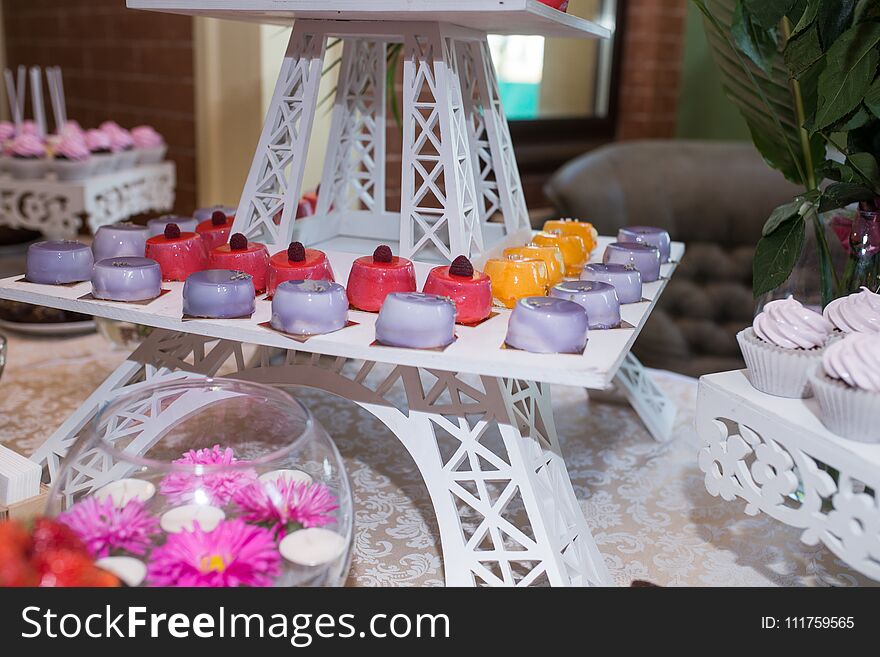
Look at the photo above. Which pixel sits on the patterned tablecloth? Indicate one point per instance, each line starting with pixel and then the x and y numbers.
pixel 645 502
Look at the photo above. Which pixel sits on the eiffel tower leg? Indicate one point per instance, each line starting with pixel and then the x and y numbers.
pixel 274 183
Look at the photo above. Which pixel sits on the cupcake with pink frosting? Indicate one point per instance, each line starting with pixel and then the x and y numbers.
pixel 99 145
pixel 783 346
pixel 7 134
pixel 121 144
pixel 847 387
pixel 29 158
pixel 73 160
pixel 149 144
pixel 857 313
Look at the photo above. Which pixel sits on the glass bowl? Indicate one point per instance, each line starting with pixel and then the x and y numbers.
pixel 208 482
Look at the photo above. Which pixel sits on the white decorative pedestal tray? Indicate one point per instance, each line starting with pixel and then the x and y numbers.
pixel 477 419
pixel 776 454
pixel 460 396
pixel 57 208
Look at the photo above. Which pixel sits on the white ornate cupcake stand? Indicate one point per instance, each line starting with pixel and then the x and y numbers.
pixel 58 208
pixel 477 418
pixel 776 454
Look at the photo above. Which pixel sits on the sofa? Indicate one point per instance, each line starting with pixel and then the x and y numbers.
pixel 715 197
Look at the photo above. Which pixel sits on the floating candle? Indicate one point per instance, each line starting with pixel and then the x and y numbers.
pixel 648 235
pixel 126 279
pixel 184 518
pixel 551 255
pixel 547 325
pixel 470 290
pixel 582 229
pixel 416 320
pixel 309 307
pixel 241 255
pixel 626 279
pixel 298 263
pixel 598 299
pixel 372 278
pixel 122 239
pixel 157 226
pixel 574 251
pixel 287 475
pixel 515 277
pixel 179 254
pixel 57 262
pixel 128 569
pixel 643 257
pixel 218 294
pixel 122 491
pixel 315 546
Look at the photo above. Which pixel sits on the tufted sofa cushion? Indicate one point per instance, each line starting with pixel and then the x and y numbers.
pixel 715 196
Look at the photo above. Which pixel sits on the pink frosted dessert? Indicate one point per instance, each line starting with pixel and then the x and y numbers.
pixel 72 157
pixel 101 148
pixel 857 313
pixel 7 131
pixel 27 146
pixel 28 157
pixel 30 128
pixel 149 144
pixel 120 140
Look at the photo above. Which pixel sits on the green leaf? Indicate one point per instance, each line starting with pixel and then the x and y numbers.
pixel 768 13
pixel 776 256
pixel 865 165
pixel 780 215
pixel 850 66
pixel 775 154
pixel 803 50
pixel 872 98
pixel 834 17
pixel 808 17
pixel 754 41
pixel 839 195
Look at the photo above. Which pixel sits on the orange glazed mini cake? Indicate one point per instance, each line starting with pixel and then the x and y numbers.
pixel 582 229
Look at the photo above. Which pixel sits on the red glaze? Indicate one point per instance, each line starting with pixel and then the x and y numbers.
pixel 312 199
pixel 304 209
pixel 370 282
pixel 472 294
pixel 314 267
pixel 212 235
pixel 561 5
pixel 177 257
pixel 253 260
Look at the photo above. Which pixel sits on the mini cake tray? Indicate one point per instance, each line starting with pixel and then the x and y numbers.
pixel 303 338
pixel 145 302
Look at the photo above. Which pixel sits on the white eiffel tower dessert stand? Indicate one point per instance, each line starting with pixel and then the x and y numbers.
pixel 477 418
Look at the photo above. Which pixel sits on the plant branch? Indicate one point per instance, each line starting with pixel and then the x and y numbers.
pixel 801 117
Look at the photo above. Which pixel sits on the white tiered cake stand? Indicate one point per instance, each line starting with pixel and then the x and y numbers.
pixel 477 419
pixel 57 208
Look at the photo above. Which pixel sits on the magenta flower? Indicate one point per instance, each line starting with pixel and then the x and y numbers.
pixel 232 554
pixel 282 502
pixel 105 528
pixel 215 486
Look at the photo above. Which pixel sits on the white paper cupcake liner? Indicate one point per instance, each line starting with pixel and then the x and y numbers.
pixel 152 155
pixel 778 371
pixel 849 412
pixel 70 170
pixel 27 168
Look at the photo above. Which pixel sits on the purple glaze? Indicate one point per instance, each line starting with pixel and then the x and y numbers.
pixel 205 213
pixel 546 325
pixel 56 262
pixel 309 307
pixel 643 257
pixel 126 278
pixel 626 279
pixel 649 235
pixel 157 226
pixel 122 239
pixel 218 294
pixel 416 320
pixel 598 299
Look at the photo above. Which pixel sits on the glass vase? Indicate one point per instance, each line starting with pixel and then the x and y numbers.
pixel 863 266
pixel 208 482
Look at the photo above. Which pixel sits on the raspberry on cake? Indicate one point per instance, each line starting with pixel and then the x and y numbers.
pixel 178 253
pixel 470 290
pixel 215 231
pixel 241 255
pixel 372 278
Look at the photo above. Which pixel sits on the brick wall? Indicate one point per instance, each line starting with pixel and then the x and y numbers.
pixel 129 66
pixel 651 70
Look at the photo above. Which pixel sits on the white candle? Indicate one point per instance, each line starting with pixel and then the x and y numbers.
pixel 286 475
pixel 312 547
pixel 183 518
pixel 123 491
pixel 130 570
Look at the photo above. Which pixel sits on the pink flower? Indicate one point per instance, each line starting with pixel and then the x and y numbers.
pixel 105 528
pixel 232 554
pixel 215 486
pixel 282 502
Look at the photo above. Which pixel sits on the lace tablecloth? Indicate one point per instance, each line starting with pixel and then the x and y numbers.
pixel 645 502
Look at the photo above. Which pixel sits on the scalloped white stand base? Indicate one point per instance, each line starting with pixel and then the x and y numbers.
pixel 57 208
pixel 529 527
pixel 776 454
